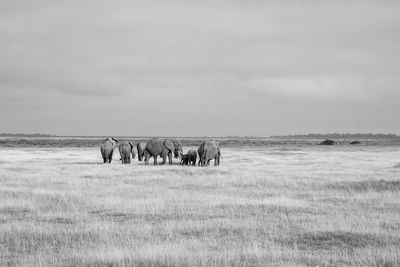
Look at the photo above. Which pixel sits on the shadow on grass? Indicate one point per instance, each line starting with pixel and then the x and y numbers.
pixel 397 165
pixel 339 240
pixel 31 242
pixel 84 163
pixel 10 214
pixel 372 185
pixel 390 226
pixel 117 216
pixel 17 169
pixel 15 211
pixel 59 220
pixel 167 259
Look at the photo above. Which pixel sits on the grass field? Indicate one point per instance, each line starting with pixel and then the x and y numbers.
pixel 276 206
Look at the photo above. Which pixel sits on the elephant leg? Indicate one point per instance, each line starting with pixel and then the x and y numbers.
pixel 104 159
pixel 216 161
pixel 170 158
pixel 146 158
pixel 129 159
pixel 164 157
pixel 111 156
pixel 155 160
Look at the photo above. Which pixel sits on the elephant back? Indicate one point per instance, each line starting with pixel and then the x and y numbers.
pixel 124 147
pixel 211 148
pixel 192 153
pixel 141 147
pixel 108 144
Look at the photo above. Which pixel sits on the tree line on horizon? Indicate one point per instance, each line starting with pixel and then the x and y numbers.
pixel 342 136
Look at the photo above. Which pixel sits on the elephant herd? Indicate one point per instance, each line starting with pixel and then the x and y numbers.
pixel 163 148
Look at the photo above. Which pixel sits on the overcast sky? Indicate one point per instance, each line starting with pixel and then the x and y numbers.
pixel 195 68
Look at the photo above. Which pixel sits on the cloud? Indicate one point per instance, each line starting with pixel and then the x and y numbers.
pixel 231 54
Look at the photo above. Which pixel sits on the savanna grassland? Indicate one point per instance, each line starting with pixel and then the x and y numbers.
pixel 264 206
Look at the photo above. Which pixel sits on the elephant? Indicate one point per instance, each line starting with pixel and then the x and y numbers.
pixel 189 158
pixel 185 159
pixel 355 142
pixel 209 150
pixel 107 149
pixel 126 149
pixel 140 150
pixel 192 157
pixel 163 148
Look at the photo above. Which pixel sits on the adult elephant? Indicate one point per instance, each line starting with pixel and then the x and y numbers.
pixel 140 150
pixel 126 149
pixel 107 149
pixel 163 148
pixel 209 150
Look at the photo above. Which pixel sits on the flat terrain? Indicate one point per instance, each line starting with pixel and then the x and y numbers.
pixel 272 205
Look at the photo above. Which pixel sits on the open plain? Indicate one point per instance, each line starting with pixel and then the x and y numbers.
pixel 272 205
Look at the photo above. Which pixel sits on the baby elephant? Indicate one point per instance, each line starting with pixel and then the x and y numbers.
pixel 189 158
pixel 125 151
pixel 185 159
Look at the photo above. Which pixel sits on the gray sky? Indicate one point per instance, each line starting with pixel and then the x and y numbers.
pixel 195 68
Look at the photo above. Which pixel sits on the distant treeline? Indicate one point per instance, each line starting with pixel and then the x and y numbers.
pixel 54 142
pixel 96 142
pixel 341 136
pixel 25 135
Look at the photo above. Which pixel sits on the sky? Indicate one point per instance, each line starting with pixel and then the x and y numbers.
pixel 199 68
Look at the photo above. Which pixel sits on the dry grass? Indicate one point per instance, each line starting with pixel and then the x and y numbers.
pixel 279 206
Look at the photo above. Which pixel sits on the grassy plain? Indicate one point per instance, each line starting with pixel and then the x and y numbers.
pixel 277 206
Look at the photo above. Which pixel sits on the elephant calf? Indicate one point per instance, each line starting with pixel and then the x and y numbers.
pixel 185 159
pixel 126 149
pixel 189 158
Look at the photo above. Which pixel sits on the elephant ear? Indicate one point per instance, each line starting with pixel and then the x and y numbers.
pixel 168 143
pixel 219 150
pixel 115 140
pixel 130 145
